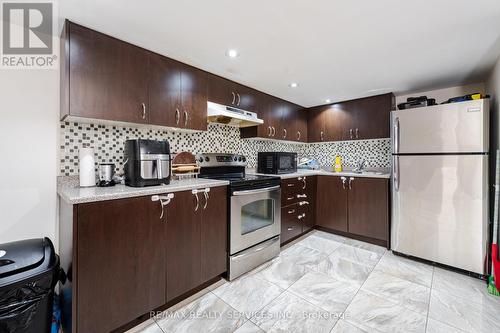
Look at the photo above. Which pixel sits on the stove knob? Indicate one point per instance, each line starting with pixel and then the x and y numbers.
pixel 239 158
pixel 207 159
pixel 244 159
pixel 200 159
pixel 235 158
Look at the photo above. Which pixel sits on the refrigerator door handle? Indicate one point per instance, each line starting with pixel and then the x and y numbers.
pixel 396 135
pixel 396 173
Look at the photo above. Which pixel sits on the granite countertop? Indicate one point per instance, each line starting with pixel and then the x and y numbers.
pixel 69 191
pixel 369 173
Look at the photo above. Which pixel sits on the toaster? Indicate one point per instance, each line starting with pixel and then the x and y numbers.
pixel 147 162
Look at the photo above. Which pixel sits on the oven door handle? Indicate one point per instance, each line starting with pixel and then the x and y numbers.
pixel 260 190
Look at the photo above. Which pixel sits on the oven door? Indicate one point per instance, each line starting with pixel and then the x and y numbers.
pixel 255 217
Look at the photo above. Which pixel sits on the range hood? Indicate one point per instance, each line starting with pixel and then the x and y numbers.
pixel 218 113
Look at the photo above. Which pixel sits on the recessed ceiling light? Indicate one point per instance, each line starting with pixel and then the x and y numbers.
pixel 232 53
pixel 328 100
pixel 293 85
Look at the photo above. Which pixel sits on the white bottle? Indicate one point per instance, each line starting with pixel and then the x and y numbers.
pixel 87 167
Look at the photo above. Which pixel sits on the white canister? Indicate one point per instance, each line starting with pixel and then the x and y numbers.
pixel 87 167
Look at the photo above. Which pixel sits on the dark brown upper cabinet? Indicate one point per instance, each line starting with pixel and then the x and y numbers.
pixel 103 78
pixel 226 92
pixel 364 118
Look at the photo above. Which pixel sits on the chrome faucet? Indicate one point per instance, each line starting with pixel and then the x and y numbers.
pixel 361 165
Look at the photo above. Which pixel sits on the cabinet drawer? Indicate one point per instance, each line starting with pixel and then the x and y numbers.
pixel 290 224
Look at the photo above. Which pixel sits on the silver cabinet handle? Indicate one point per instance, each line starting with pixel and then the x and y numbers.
pixel 290 185
pixel 298 135
pixel 350 133
pixel 186 116
pixel 205 194
pixel 291 211
pixel 350 182
pixel 343 182
pixel 396 135
pixel 396 173
pixel 164 200
pixel 274 131
pixel 321 135
pixel 195 193
pixel 269 131
pixel 177 116
pixel 239 99
pixel 301 195
pixel 284 133
pixel 289 198
pixel 143 110
pixel 305 183
pixel 234 97
pixel 289 229
pixel 302 203
pixel 301 216
pixel 357 133
pixel 262 190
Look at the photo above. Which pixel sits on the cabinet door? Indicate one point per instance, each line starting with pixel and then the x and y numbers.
pixel 309 185
pixel 134 80
pixel 369 207
pixel 94 74
pixel 336 118
pixel 214 234
pixel 301 126
pixel 220 90
pixel 194 98
pixel 316 124
pixel 119 269
pixel 164 91
pixel 287 124
pixel 246 98
pixel 331 203
pixel 183 246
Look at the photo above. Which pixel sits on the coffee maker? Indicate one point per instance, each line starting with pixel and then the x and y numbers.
pixel 147 162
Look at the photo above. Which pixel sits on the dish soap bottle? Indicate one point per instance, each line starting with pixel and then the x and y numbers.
pixel 338 164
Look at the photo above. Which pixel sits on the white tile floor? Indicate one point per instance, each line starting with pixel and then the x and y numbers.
pixel 327 283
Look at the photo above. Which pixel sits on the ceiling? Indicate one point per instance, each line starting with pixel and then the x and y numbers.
pixel 334 49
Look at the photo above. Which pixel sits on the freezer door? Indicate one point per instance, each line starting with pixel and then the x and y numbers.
pixel 448 128
pixel 440 209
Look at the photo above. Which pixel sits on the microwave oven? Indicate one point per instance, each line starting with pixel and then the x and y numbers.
pixel 276 162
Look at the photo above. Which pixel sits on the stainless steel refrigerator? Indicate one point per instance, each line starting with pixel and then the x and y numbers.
pixel 440 183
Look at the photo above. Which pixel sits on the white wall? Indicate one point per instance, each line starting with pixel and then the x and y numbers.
pixel 29 110
pixel 442 95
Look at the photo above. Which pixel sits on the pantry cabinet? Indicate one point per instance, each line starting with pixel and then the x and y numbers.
pixel 355 207
pixel 129 258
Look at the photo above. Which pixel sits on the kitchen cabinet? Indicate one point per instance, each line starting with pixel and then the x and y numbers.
pixel 368 207
pixel 105 79
pixel 365 118
pixel 301 125
pixel 355 207
pixel 226 92
pixel 196 243
pixel 331 203
pixel 119 262
pixel 298 196
pixel 102 77
pixel 130 256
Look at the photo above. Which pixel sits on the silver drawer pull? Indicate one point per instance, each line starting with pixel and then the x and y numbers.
pixel 301 195
pixel 290 229
pixel 291 211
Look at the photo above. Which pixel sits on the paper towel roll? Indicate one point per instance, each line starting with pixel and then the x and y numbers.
pixel 87 167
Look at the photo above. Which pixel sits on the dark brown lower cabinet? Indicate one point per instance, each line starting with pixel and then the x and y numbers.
pixel 369 208
pixel 120 263
pixel 331 203
pixel 127 260
pixel 354 207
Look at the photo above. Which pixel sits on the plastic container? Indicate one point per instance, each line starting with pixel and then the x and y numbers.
pixel 29 271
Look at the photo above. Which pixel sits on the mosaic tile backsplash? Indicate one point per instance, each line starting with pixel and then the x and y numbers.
pixel 108 142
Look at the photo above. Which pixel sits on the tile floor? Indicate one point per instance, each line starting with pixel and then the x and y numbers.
pixel 327 283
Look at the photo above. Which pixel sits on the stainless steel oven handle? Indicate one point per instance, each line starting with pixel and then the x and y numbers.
pixel 396 135
pixel 260 190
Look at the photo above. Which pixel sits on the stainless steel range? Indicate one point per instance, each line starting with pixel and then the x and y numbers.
pixel 254 211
